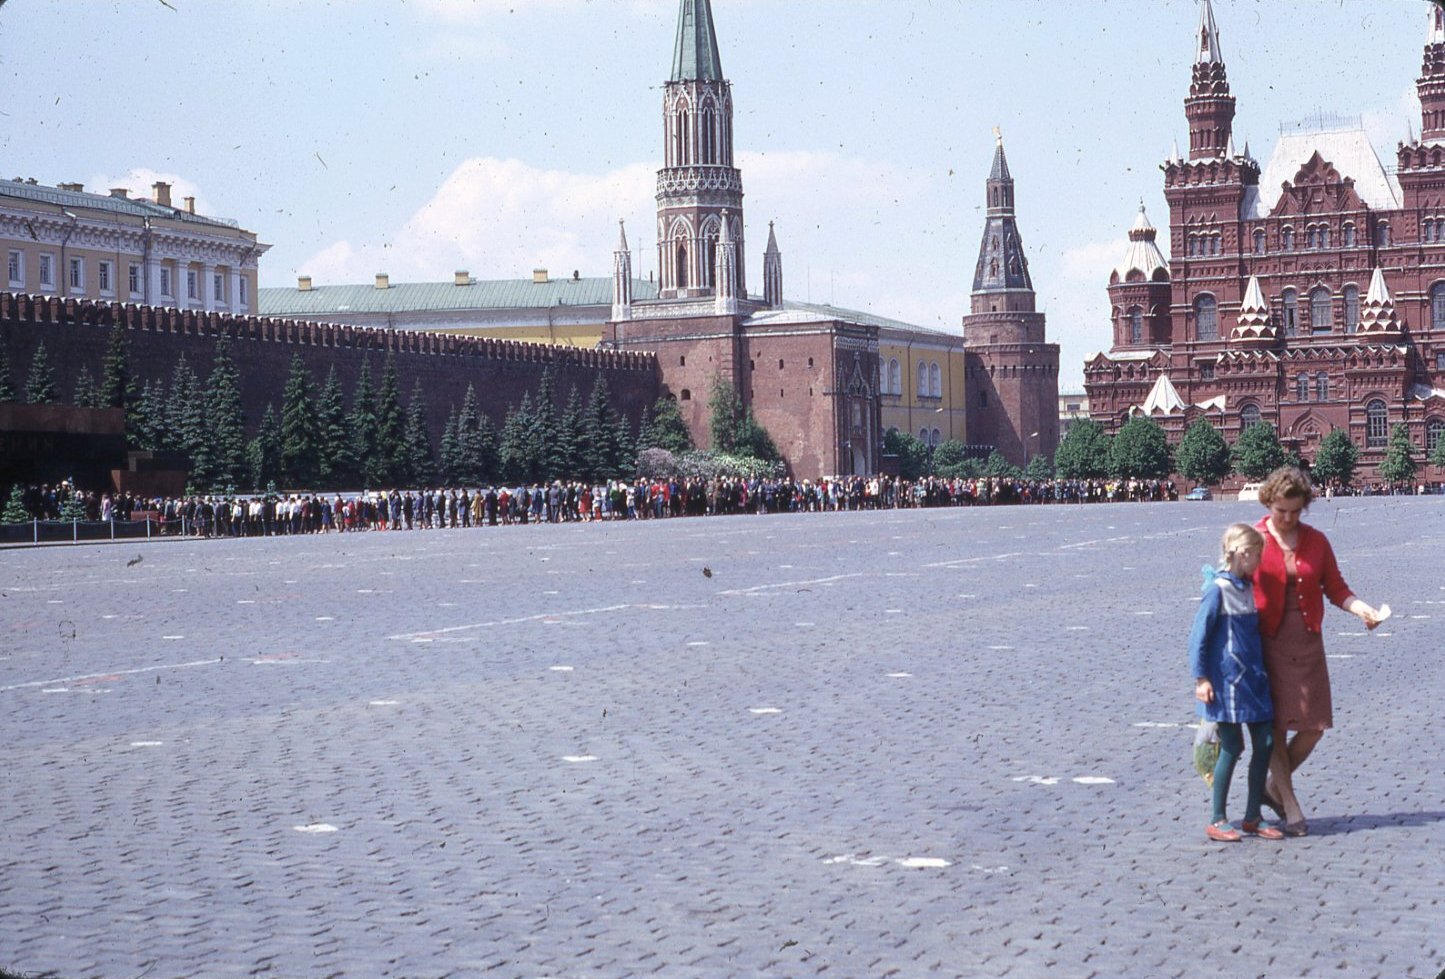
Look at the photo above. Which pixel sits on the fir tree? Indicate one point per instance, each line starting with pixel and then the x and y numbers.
pixel 725 409
pixel 485 443
pixel 40 385
pixel 546 424
pixel 362 425
pixel 417 462
pixel 118 387
pixel 185 419
pixel 512 445
pixel 149 432
pixel 86 394
pixel 467 455
pixel 225 419
pixel 263 455
pixel 7 383
pixel 568 450
pixel 15 511
pixel 298 428
pixel 332 445
pixel 599 433
pixel 668 430
pixel 391 448
pixel 450 451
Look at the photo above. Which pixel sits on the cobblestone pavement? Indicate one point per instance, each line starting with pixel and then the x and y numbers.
pixel 922 743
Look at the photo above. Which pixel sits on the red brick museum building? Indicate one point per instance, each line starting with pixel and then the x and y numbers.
pixel 1308 293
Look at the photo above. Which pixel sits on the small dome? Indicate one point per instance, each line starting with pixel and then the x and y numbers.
pixel 1143 255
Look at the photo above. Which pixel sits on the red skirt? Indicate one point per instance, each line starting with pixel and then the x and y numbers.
pixel 1299 677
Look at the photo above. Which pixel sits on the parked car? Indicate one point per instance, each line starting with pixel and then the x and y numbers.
pixel 1199 493
pixel 1250 491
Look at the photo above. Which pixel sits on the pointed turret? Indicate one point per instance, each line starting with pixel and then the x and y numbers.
pixel 695 57
pixel 773 272
pixel 1431 83
pixel 1253 320
pixel 698 181
pixel 725 270
pixel 1143 254
pixel 1378 315
pixel 622 277
pixel 1139 289
pixel 1210 107
pixel 1002 272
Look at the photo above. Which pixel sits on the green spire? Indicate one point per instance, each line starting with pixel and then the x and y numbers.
pixel 695 58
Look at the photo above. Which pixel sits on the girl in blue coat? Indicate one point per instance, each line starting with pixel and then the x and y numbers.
pixel 1230 683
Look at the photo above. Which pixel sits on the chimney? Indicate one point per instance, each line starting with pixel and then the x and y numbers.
pixel 78 188
pixel 303 283
pixel 122 192
pixel 383 281
pixel 162 193
pixel 190 205
pixel 463 278
pixel 539 276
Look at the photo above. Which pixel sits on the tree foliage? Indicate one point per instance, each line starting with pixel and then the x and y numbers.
pixel 1203 455
pixel 40 383
pixel 913 455
pixel 1140 450
pixel 1084 451
pixel 7 383
pixel 1257 452
pixel 299 435
pixel 1335 459
pixel 1399 466
pixel 225 420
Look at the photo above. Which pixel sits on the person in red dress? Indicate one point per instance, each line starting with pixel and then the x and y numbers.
pixel 1296 573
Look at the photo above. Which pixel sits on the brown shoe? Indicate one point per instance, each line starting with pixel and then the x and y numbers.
pixel 1222 832
pixel 1263 830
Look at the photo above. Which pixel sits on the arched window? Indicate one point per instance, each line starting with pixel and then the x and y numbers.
pixel 1136 325
pixel 1322 318
pixel 1286 238
pixel 935 381
pixel 1352 309
pixel 1289 299
pixel 1206 317
pixel 1376 424
pixel 1248 416
pixel 1434 430
pixel 895 377
pixel 1437 306
pixel 923 435
pixel 1348 232
pixel 709 254
pixel 934 437
pixel 709 135
pixel 680 266
pixel 1259 241
pixel 1312 237
pixel 1382 235
pixel 922 379
pixel 1325 236
pixel 1302 387
pixel 1322 386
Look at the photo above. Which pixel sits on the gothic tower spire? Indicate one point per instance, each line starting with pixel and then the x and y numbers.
pixel 1431 83
pixel 1001 278
pixel 698 187
pixel 773 272
pixel 1209 107
pixel 622 277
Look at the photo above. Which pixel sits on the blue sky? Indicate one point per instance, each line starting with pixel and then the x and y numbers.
pixel 418 137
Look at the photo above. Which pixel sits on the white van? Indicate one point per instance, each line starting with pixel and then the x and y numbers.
pixel 1250 491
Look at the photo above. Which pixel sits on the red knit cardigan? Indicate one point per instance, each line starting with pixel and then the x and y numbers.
pixel 1319 576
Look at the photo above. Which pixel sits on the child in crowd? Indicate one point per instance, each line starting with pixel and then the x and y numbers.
pixel 1230 683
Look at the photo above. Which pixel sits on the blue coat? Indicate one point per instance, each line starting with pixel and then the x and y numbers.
pixel 1224 647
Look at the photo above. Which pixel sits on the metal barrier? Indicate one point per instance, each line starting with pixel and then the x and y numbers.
pixel 78 531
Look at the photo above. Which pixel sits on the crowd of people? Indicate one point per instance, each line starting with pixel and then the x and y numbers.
pixel 234 515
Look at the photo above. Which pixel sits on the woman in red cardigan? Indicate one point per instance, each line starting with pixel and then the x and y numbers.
pixel 1295 575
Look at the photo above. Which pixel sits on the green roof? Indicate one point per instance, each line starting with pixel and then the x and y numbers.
pixel 695 57
pixel 414 297
pixel 138 207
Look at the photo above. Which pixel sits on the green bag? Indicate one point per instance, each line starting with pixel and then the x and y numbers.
pixel 1206 750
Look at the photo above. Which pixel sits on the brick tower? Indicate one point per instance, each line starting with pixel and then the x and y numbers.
pixel 698 187
pixel 1013 372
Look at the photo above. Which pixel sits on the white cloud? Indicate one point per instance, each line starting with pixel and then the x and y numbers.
pixel 140 181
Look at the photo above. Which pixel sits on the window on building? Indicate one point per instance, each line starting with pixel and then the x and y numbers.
pixel 1437 306
pixel 935 381
pixel 167 286
pixel 1206 372
pixel 75 275
pixel 1348 233
pixel 102 277
pixel 1376 424
pixel 1136 325
pixel 923 435
pixel 1206 318
pixel 193 284
pixel 17 269
pixel 1302 387
pixel 1322 318
pixel 47 271
pixel 1322 386
pixel 1434 429
pixel 218 287
pixel 895 376
pixel 1286 238
pixel 1440 362
pixel 935 437
pixel 1312 237
pixel 133 279
pixel 1352 309
pixel 922 379
pixel 1214 245
pixel 1382 235
pixel 243 292
pixel 1249 416
pixel 1259 241
pixel 1289 300
pixel 680 265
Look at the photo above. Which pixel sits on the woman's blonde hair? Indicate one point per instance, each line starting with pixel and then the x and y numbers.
pixel 1286 483
pixel 1237 537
